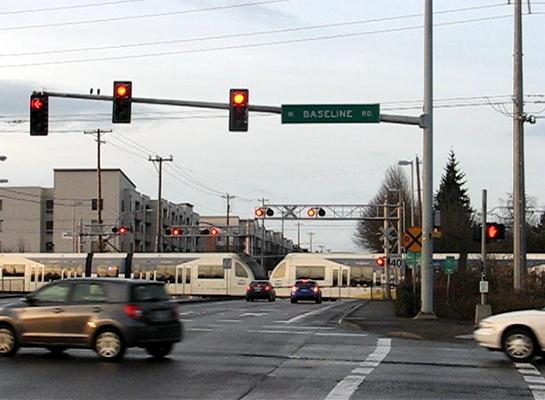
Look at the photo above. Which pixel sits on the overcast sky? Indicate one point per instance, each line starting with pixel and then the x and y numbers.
pixel 291 51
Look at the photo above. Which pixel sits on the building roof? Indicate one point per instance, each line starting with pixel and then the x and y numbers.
pixel 94 170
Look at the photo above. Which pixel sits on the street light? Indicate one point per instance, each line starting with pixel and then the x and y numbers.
pixel 405 163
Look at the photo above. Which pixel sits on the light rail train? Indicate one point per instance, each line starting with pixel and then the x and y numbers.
pixel 340 275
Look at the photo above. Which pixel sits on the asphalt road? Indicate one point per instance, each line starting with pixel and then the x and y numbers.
pixel 262 350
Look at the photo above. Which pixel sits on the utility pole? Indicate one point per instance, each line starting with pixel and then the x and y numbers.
pixel 310 235
pixel 263 235
pixel 419 191
pixel 98 132
pixel 160 161
pixel 228 197
pixel 386 246
pixel 299 234
pixel 426 295
pixel 519 201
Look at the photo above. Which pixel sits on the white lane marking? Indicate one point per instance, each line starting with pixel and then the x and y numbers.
pixel 253 314
pixel 468 336
pixel 308 314
pixel 187 313
pixel 346 388
pixel 340 334
pixel 230 320
pixel 200 330
pixel 532 376
pixel 186 320
pixel 299 327
pixel 282 332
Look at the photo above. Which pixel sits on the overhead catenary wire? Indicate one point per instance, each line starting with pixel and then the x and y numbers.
pixel 71 7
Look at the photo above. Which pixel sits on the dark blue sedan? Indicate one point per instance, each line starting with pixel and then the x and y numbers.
pixel 306 289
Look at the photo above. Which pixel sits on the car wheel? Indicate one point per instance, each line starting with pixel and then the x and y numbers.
pixel 520 345
pixel 273 298
pixel 318 301
pixel 159 350
pixel 8 342
pixel 109 346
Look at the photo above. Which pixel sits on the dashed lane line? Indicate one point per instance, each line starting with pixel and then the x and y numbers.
pixel 532 376
pixel 294 332
pixel 346 388
pixel 299 327
pixel 230 320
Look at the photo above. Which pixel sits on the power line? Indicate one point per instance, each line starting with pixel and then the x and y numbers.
pixel 142 16
pixel 252 45
pixel 239 35
pixel 77 6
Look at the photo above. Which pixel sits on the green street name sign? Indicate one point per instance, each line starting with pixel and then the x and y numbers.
pixel 330 113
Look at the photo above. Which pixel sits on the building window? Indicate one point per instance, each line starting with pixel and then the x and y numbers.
pixel 49 204
pixel 48 225
pixel 1 204
pixel 122 205
pixel 94 204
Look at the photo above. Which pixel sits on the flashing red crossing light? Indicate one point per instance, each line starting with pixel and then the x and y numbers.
pixel 380 261
pixel 121 113
pixel 39 114
pixel 174 231
pixel 120 230
pixel 316 212
pixel 238 110
pixel 260 212
pixel 214 232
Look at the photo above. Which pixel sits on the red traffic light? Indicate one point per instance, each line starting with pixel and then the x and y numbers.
pixel 121 113
pixel 121 90
pixel 239 97
pixel 39 114
pixel 381 261
pixel 238 110
pixel 36 104
pixel 120 230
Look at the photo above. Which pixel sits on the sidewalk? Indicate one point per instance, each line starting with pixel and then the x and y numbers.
pixel 379 317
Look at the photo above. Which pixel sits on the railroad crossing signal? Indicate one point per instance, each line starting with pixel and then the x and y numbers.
pixel 260 212
pixel 174 231
pixel 121 230
pixel 121 113
pixel 412 239
pixel 238 110
pixel 39 114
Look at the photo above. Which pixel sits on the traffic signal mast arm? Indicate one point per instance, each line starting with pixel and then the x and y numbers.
pixel 395 119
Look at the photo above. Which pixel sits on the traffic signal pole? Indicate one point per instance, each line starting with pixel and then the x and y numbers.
pixel 483 246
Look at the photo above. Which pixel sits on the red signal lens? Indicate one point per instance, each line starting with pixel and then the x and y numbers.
pixel 492 232
pixel 121 90
pixel 177 231
pixel 380 261
pixel 214 232
pixel 36 104
pixel 239 98
pixel 259 212
pixel 311 212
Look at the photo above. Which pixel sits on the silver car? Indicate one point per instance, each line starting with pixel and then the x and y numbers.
pixel 107 315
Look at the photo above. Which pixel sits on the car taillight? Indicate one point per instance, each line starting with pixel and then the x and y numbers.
pixel 294 289
pixel 133 311
pixel 316 288
pixel 248 288
pixel 268 287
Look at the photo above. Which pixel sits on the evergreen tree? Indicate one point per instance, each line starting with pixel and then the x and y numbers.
pixel 456 213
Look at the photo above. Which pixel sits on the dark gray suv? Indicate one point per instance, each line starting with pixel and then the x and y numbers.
pixel 107 315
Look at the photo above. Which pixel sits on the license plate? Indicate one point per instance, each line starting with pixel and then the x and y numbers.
pixel 161 315
pixel 257 289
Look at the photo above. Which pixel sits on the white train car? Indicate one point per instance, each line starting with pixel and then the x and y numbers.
pixel 202 274
pixel 339 275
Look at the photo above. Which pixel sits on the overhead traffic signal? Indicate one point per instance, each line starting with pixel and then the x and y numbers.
pixel 121 113
pixel 120 230
pixel 238 110
pixel 39 114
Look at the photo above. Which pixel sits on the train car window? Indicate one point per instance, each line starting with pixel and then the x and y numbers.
pixel 164 274
pixel 335 277
pixel 14 270
pixel 361 276
pixel 240 271
pixel 280 271
pixel 188 275
pixel 316 273
pixel 344 281
pixel 52 272
pixel 108 271
pixel 211 272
